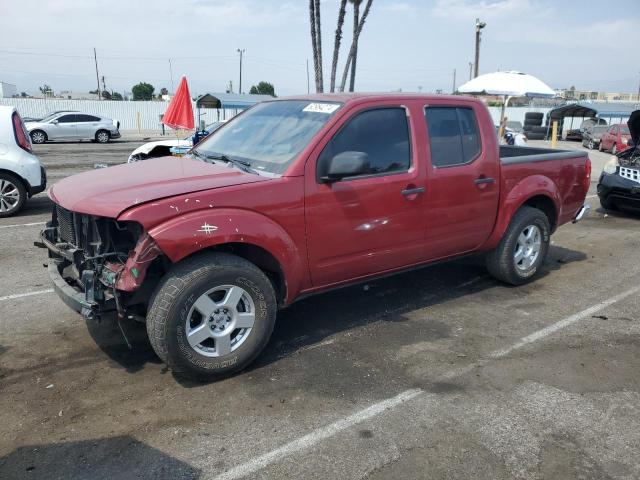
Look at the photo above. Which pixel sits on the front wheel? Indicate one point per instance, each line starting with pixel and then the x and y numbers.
pixel 522 249
pixel 211 315
pixel 591 145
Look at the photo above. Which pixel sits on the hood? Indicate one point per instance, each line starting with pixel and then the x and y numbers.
pixel 107 192
pixel 634 126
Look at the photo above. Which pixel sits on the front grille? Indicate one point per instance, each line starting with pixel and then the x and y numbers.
pixel 630 174
pixel 66 225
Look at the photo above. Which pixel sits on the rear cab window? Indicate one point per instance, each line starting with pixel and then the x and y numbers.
pixel 381 133
pixel 454 137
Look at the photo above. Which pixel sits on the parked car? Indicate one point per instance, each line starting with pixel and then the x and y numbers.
pixel 619 184
pixel 592 135
pixel 162 148
pixel 615 139
pixel 21 173
pixel 294 197
pixel 576 134
pixel 73 126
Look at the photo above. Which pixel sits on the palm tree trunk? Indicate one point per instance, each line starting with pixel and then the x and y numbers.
pixel 314 20
pixel 336 44
pixel 356 20
pixel 354 44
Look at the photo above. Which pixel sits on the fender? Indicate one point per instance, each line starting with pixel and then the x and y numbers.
pixel 195 231
pixel 532 186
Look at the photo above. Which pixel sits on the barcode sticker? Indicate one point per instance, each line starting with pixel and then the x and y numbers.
pixel 321 107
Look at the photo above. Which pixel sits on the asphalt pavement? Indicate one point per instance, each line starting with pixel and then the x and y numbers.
pixel 440 373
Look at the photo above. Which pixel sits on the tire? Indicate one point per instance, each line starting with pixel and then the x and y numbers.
pixel 38 137
pixel 614 149
pixel 532 122
pixel 591 144
pixel 527 225
pixel 208 279
pixel 535 136
pixel 102 136
pixel 534 115
pixel 600 147
pixel 607 204
pixel 541 129
pixel 13 194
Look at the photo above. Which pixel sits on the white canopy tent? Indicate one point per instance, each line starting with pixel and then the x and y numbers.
pixel 507 84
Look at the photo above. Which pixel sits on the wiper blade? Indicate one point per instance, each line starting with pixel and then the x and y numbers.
pixel 241 164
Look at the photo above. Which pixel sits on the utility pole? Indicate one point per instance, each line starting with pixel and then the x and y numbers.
pixel 453 90
pixel 240 82
pixel 95 58
pixel 171 77
pixel 479 26
pixel 470 70
pixel 308 90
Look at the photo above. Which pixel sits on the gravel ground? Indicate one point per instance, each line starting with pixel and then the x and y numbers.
pixel 439 373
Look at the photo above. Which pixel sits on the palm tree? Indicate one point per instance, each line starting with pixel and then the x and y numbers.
pixel 316 42
pixel 336 44
pixel 354 45
pixel 356 20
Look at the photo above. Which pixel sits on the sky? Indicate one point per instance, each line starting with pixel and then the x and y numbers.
pixel 409 45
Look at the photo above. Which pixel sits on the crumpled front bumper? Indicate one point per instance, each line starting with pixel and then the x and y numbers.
pixel 619 190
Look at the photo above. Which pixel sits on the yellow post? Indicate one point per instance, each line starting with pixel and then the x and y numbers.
pixel 138 122
pixel 554 134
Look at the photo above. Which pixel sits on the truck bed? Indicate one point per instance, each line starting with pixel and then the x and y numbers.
pixel 512 155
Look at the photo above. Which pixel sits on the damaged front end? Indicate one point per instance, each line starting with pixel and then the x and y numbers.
pixel 99 265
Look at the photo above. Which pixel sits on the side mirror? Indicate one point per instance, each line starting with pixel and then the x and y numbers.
pixel 55 122
pixel 347 164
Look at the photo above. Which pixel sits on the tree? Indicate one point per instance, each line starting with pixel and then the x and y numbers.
pixel 354 45
pixel 46 90
pixel 23 94
pixel 356 21
pixel 316 42
pixel 116 96
pixel 142 91
pixel 163 91
pixel 106 95
pixel 336 44
pixel 263 88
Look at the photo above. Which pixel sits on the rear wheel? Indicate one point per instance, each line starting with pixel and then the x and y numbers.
pixel 38 136
pixel 522 249
pixel 102 136
pixel 13 194
pixel 211 315
pixel 591 145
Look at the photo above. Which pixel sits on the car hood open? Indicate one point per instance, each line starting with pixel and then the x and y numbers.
pixel 634 126
pixel 108 192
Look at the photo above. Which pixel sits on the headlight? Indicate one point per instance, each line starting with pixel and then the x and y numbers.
pixel 611 165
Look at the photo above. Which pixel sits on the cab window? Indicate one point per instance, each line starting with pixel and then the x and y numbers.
pixel 454 138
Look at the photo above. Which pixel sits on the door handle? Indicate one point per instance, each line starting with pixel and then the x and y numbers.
pixel 484 180
pixel 412 191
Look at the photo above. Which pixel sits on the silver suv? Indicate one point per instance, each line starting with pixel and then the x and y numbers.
pixel 73 126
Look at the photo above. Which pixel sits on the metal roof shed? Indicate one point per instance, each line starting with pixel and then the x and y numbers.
pixel 238 101
pixel 592 109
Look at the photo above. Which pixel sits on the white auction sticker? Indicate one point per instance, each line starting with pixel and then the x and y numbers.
pixel 321 107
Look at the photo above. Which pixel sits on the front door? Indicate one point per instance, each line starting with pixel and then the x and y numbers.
pixel 463 180
pixel 65 129
pixel 374 221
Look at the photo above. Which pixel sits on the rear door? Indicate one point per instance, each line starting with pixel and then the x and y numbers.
pixel 374 222
pixel 87 126
pixel 463 180
pixel 609 137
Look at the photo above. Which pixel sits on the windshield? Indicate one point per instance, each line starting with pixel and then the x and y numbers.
pixel 599 129
pixel 269 135
pixel 48 117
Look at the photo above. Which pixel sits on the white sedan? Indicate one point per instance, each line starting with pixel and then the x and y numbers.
pixel 164 148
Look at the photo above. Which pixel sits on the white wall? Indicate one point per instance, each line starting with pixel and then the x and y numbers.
pixel 125 112
pixel 7 90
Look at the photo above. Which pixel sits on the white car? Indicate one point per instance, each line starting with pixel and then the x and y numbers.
pixel 164 148
pixel 21 173
pixel 73 126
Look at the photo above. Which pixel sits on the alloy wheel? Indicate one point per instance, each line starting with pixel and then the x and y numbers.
pixel 9 196
pixel 527 247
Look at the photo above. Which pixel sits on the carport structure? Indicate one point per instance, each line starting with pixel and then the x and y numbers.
pixel 223 101
pixel 607 110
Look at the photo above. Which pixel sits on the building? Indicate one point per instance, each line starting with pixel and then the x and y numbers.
pixel 8 90
pixel 572 94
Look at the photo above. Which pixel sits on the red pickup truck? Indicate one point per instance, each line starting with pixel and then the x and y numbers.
pixel 296 196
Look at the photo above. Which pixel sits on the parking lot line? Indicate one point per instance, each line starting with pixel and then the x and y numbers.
pixel 27 294
pixel 22 225
pixel 322 433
